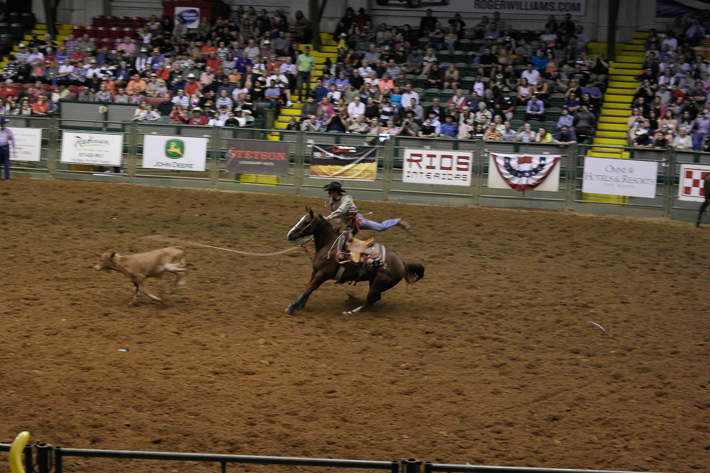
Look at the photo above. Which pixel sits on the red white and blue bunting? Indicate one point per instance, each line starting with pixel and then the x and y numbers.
pixel 524 172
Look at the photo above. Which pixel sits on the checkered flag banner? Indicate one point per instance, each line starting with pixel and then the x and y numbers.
pixel 690 185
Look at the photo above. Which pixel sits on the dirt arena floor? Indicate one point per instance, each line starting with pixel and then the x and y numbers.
pixel 490 359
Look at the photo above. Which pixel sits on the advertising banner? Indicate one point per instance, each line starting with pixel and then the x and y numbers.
pixel 487 7
pixel 344 162
pixel 174 152
pixel 99 149
pixel 257 157
pixel 191 15
pixel 446 168
pixel 690 185
pixel 28 143
pixel 680 8
pixel 620 177
pixel 524 172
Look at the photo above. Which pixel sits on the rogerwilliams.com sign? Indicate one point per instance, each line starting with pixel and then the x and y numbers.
pixel 99 149
pixel 620 177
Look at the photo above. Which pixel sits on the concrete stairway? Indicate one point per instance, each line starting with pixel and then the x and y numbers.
pixel 40 29
pixel 612 129
pixel 328 50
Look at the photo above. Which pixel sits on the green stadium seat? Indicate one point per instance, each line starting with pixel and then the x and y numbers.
pixel 465 44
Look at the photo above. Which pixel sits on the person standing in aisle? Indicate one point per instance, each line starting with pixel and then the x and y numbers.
pixel 305 63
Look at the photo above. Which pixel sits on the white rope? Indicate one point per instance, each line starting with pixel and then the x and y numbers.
pixel 177 241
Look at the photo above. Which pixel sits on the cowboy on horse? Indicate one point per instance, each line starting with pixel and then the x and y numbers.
pixel 343 208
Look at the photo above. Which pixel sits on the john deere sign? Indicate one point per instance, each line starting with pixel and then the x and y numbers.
pixel 169 152
pixel 174 149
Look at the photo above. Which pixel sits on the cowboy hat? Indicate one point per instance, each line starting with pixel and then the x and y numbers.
pixel 334 186
pixel 4 120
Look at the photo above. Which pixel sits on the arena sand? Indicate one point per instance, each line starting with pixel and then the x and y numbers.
pixel 490 359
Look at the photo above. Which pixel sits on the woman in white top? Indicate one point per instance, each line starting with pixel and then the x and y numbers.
pixel 458 100
pixel 683 140
pixel 669 121
pixel 524 92
pixel 153 23
pixel 429 59
pixel 482 112
pixel 633 122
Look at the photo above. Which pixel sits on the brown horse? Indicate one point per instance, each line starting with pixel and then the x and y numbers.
pixel 325 265
pixel 706 202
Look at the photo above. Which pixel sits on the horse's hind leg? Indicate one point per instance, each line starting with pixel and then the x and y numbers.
pixel 704 206
pixel 373 296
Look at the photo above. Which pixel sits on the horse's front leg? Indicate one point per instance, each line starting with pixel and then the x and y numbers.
pixel 317 279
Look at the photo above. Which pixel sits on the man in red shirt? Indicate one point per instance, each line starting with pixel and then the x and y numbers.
pixel 213 61
pixel 192 85
pixel 197 118
pixel 677 95
pixel 8 88
pixel 207 48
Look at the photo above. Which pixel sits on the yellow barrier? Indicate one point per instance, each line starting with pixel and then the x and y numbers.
pixel 18 446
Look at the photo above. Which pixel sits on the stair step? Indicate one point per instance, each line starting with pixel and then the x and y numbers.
pixel 620 91
pixel 291 111
pixel 641 34
pixel 603 134
pixel 617 84
pixel 620 112
pixel 638 41
pixel 609 141
pixel 612 119
pixel 630 59
pixel 604 154
pixel 618 98
pixel 613 127
pixel 633 53
pixel 634 47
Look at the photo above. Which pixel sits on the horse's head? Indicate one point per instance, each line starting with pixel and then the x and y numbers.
pixel 308 225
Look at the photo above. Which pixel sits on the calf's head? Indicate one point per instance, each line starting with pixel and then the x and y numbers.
pixel 107 261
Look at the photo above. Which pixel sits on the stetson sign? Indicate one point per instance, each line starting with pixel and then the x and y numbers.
pixel 173 152
pixel 257 157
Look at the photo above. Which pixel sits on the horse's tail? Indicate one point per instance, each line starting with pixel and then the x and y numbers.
pixel 413 272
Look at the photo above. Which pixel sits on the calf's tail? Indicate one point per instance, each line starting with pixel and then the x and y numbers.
pixel 413 272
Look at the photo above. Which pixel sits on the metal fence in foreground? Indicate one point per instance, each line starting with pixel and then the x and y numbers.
pixel 388 185
pixel 52 460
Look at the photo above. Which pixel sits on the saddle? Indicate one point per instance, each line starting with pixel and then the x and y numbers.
pixel 366 252
pixel 357 247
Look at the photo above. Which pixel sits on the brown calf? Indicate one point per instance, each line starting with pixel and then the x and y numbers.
pixel 140 266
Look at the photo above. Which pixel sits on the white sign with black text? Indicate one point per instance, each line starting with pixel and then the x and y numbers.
pixel 620 177
pixel 446 168
pixel 28 144
pixel 99 149
pixel 174 152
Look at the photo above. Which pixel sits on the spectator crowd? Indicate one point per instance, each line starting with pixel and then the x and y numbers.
pixel 487 81
pixel 670 104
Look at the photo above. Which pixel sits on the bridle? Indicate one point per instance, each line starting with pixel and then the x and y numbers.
pixel 300 233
